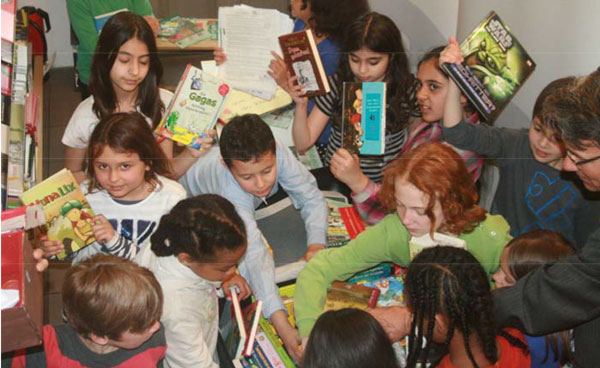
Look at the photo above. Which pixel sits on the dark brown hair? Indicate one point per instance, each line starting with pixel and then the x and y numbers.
pixel 439 172
pixel 108 295
pixel 119 29
pixel 332 17
pixel 551 88
pixel 127 132
pixel 246 138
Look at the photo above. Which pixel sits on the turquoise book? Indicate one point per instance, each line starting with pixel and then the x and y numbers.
pixel 363 117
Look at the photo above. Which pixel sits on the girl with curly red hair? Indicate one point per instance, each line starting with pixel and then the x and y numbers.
pixel 431 191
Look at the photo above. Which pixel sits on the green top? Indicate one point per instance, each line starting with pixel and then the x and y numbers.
pixel 387 241
pixel 82 13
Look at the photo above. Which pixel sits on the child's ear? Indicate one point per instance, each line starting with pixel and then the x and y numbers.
pixel 441 324
pixel 99 340
pixel 184 258
pixel 463 100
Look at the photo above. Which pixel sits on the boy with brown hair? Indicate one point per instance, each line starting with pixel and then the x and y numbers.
pixel 112 307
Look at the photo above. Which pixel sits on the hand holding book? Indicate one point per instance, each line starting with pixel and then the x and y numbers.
pixel 453 110
pixel 238 285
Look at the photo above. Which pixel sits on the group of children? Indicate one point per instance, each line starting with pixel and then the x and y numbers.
pixel 200 234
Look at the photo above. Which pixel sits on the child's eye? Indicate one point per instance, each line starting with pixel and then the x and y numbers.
pixel 123 60
pixel 101 166
pixel 374 62
pixel 433 87
pixel 125 166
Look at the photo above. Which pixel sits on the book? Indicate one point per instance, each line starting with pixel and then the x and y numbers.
pixel 363 117
pixel 100 20
pixel 287 296
pixel 391 288
pixel 337 234
pixel 194 108
pixel 187 33
pixel 268 332
pixel 300 53
pixel 272 355
pixel 496 66
pixel 374 273
pixel 346 295
pixel 253 314
pixel 240 333
pixel 417 244
pixel 68 213
pixel 354 224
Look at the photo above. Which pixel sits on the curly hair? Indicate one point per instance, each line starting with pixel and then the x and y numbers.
pixel 332 17
pixel 440 173
pixel 199 226
pixel 451 282
pixel 380 34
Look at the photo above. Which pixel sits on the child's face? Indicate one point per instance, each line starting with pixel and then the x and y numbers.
pixel 222 269
pixel 368 66
pixel 431 91
pixel 503 277
pixel 544 144
pixel 411 204
pixel 130 340
pixel 121 174
pixel 131 66
pixel 256 177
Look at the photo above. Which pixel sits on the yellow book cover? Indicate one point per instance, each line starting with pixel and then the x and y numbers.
pixel 68 213
pixel 346 295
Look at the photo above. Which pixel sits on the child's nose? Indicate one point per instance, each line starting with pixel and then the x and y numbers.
pixel 363 68
pixel 134 68
pixel 114 175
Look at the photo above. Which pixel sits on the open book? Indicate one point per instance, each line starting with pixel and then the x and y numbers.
pixel 242 330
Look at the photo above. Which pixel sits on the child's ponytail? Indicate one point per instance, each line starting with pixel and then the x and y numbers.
pixel 199 226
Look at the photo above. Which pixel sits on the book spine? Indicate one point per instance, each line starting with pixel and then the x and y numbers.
pixel 269 350
pixel 258 355
pixel 276 343
pixel 374 297
pixel 168 110
pixel 320 70
pixel 472 88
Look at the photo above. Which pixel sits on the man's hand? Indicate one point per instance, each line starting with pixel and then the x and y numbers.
pixel 395 321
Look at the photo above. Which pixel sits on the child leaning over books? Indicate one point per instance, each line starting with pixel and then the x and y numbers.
pixel 250 168
pixel 127 188
pixel 113 307
pixel 533 192
pixel 195 249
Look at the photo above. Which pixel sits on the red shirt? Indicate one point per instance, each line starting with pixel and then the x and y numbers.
pixel 510 356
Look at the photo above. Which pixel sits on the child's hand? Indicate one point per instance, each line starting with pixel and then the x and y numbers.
pixel 311 250
pixel 206 144
pixel 279 71
pixel 346 168
pixel 219 55
pixel 296 91
pixel 154 24
pixel 452 53
pixel 103 230
pixel 240 282
pixel 41 263
pixel 395 321
pixel 49 247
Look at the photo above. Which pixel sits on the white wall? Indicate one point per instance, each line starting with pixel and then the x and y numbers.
pixel 561 36
pixel 59 37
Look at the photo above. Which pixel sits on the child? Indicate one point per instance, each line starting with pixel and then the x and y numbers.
pixel 533 192
pixel 431 191
pixel 81 15
pixel 373 44
pixel 524 253
pixel 250 168
pixel 196 247
pixel 125 74
pixel 449 295
pixel 432 85
pixel 349 338
pixel 104 328
pixel 127 189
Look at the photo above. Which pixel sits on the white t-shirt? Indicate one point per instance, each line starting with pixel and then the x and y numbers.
pixel 134 223
pixel 83 121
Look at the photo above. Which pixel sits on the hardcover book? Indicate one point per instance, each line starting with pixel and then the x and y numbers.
pixel 195 107
pixel 303 61
pixel 68 213
pixel 346 295
pixel 417 244
pixel 363 117
pixel 496 65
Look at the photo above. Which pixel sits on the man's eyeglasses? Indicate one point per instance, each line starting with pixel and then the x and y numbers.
pixel 580 163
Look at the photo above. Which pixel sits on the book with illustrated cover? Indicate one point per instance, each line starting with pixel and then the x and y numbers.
pixel 363 117
pixel 346 295
pixel 100 20
pixel 417 244
pixel 194 108
pixel 391 288
pixel 282 358
pixel 337 234
pixel 185 32
pixel 496 66
pixel 68 213
pixel 300 53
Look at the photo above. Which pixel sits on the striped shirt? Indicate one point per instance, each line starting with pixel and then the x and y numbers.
pixel 371 166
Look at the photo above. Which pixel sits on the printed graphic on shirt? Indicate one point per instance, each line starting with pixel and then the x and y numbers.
pixel 135 230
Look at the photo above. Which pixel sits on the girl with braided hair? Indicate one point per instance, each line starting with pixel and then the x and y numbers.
pixel 194 251
pixel 449 294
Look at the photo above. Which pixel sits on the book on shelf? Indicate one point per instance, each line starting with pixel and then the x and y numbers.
pixel 69 217
pixel 184 32
pixel 302 58
pixel 194 108
pixel 363 117
pixel 346 295
pixel 100 20
pixel 417 244
pixel 496 66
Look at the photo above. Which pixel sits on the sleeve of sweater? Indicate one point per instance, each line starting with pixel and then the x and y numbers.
pixel 385 242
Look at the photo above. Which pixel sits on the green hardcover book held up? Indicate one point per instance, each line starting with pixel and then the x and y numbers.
pixel 69 217
pixel 496 66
